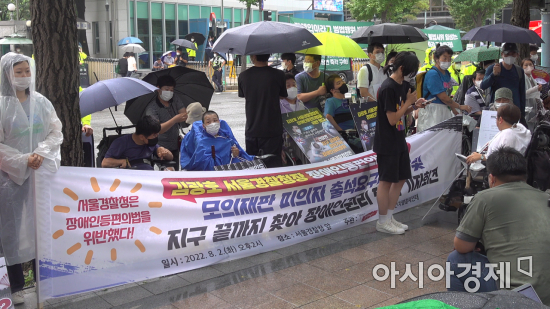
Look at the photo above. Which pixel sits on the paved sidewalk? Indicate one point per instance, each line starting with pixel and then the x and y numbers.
pixel 334 271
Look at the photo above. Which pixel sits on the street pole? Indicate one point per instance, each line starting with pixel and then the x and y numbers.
pixel 108 30
pixel 223 21
pixel 425 19
pixel 545 61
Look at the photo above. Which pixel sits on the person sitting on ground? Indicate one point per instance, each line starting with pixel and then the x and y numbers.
pixel 291 103
pixel 511 133
pixel 196 148
pixel 134 150
pixel 477 98
pixel 158 65
pixel 512 221
pixel 168 60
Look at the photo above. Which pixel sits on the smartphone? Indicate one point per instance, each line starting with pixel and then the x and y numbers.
pixel 428 101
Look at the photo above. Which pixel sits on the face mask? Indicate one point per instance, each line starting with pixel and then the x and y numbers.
pixel 166 95
pixel 213 128
pixel 152 142
pixel 444 65
pixel 192 40
pixel 178 54
pixel 343 89
pixel 21 83
pixel 478 84
pixel 457 66
pixel 535 57
pixel 292 93
pixel 380 57
pixel 308 67
pixel 509 60
pixel 283 65
pixel 407 79
pixel 528 69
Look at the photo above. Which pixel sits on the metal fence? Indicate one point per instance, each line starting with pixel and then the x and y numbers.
pixel 229 78
pixel 104 68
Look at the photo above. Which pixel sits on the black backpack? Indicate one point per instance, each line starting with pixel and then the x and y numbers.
pixel 370 81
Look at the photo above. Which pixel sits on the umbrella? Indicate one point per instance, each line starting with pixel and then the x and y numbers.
pixel 265 37
pixel 199 38
pixel 172 53
pixel 479 54
pixel 184 43
pixel 15 41
pixel 388 33
pixel 335 45
pixel 132 48
pixel 502 33
pixel 191 86
pixel 129 40
pixel 419 48
pixel 111 92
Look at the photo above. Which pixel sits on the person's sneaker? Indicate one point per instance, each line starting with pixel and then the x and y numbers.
pixel 389 228
pixel 399 224
pixel 18 298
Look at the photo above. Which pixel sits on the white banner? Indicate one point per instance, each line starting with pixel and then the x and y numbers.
pixel 105 227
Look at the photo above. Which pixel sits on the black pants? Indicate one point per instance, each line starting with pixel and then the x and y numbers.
pixel 266 145
pixel 176 154
pixel 17 279
pixel 217 79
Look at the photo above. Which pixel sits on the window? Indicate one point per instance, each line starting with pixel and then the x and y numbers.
pixel 143 34
pixel 170 25
pixel 183 24
pixel 156 16
pixel 95 31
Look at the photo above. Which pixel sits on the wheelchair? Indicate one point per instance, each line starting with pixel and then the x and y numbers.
pixel 351 136
pixel 107 140
pixel 468 184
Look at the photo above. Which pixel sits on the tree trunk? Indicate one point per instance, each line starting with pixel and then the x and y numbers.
pixel 80 11
pixel 383 17
pixel 56 53
pixel 521 18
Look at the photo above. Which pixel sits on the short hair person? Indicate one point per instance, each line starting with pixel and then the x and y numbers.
pixel 310 82
pixel 368 85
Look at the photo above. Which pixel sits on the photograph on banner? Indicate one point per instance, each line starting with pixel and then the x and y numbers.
pixel 101 228
pixel 364 116
pixel 487 129
pixel 5 292
pixel 315 135
pixel 241 166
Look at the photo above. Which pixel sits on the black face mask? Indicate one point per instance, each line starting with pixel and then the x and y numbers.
pixel 343 89
pixel 152 142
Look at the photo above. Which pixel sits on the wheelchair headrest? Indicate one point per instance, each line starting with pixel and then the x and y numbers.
pixel 542 140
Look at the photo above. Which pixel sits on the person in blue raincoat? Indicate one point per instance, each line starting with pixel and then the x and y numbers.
pixel 196 147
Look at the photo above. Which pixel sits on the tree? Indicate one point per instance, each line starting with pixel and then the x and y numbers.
pixel 24 11
pixel 521 18
pixel 54 36
pixel 386 10
pixel 472 14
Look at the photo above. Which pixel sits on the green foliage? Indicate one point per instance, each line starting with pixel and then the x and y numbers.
pixel 24 10
pixel 386 10
pixel 249 4
pixel 471 14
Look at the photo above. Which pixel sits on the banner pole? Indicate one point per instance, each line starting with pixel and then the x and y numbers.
pixel 39 305
pixel 437 200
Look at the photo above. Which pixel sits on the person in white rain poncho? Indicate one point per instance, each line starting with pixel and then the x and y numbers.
pixel 30 138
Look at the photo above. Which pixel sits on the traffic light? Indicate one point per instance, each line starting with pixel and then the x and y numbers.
pixel 267 15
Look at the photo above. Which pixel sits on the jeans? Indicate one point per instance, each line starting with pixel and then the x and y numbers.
pixel 457 284
pixel 217 79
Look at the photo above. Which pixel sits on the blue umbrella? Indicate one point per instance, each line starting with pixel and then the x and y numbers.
pixel 112 92
pixel 129 40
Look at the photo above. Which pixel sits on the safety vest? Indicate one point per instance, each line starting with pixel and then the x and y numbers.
pixel 192 52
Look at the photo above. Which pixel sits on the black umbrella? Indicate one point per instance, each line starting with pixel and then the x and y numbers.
pixel 184 43
pixel 388 33
pixel 503 33
pixel 199 38
pixel 191 86
pixel 265 37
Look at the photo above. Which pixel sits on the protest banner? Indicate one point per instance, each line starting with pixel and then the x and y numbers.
pixel 449 37
pixel 315 135
pixel 364 115
pixel 5 292
pixel 100 228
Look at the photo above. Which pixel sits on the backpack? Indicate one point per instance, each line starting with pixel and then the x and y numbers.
pixel 420 83
pixel 460 95
pixel 370 81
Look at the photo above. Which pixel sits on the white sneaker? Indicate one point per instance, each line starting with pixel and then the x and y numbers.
pixel 18 298
pixel 389 228
pixel 399 224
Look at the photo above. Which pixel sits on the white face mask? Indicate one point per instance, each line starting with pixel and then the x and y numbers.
pixel 528 69
pixel 292 93
pixel 478 84
pixel 192 40
pixel 535 57
pixel 308 67
pixel 213 128
pixel 21 83
pixel 178 54
pixel 407 79
pixel 445 65
pixel 509 60
pixel 283 65
pixel 380 57
pixel 166 95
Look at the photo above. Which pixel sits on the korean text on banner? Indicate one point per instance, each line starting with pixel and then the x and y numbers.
pixel 100 228
pixel 450 38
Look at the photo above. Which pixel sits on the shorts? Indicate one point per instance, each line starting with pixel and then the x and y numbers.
pixel 393 168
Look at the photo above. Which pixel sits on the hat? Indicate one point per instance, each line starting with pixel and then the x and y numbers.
pixel 509 47
pixel 194 112
pixel 504 93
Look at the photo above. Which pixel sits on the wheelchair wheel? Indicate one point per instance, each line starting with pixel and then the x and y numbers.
pixel 466 145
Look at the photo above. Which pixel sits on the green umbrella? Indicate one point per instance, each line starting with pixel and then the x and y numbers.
pixel 14 41
pixel 418 48
pixel 479 54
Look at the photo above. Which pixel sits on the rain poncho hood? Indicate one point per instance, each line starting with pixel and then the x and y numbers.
pixel 27 127
pixel 196 148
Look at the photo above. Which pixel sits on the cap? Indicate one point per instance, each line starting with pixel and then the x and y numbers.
pixel 509 47
pixel 194 112
pixel 504 93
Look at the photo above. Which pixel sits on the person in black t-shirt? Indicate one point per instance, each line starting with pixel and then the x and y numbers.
pixel 288 63
pixel 181 57
pixel 395 100
pixel 123 65
pixel 262 86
